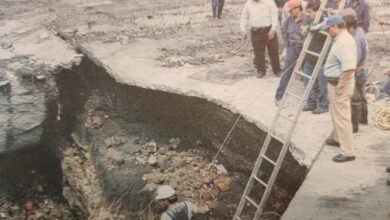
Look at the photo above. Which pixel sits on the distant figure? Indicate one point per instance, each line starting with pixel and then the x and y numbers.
pixel 317 101
pixel 359 102
pixel 217 7
pixel 293 37
pixel 362 11
pixel 386 89
pixel 339 70
pixel 174 210
pixel 260 17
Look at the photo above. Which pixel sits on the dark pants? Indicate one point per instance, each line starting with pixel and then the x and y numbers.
pixel 318 96
pixel 259 42
pixel 289 64
pixel 217 5
pixel 386 89
pixel 359 101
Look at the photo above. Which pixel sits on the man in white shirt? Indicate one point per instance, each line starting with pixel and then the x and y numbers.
pixel 339 70
pixel 260 18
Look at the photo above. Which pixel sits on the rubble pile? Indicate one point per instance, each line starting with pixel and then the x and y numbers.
pixel 189 173
pixel 36 206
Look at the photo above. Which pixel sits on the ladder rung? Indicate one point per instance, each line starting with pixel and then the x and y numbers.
pixel 304 74
pixel 268 159
pixel 293 95
pixel 313 53
pixel 285 116
pixel 276 137
pixel 260 181
pixel 251 201
pixel 323 32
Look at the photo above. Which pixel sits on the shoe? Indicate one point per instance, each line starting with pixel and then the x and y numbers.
pixel 318 111
pixel 363 121
pixel 332 142
pixel 388 169
pixel 341 158
pixel 277 102
pixel 308 108
pixel 260 75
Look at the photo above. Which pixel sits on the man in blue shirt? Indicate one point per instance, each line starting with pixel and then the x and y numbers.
pixel 363 13
pixel 293 37
pixel 359 103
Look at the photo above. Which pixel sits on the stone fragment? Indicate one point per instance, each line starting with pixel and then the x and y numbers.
pixel 150 147
pixel 211 204
pixel 142 139
pixel 174 142
pixel 223 184
pixel 40 188
pixel 115 141
pixel 203 208
pixel 152 160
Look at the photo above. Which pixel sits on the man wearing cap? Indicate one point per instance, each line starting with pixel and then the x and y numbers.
pixel 293 37
pixel 260 17
pixel 174 210
pixel 339 70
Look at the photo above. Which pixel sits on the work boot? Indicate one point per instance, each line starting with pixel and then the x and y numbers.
pixel 318 111
pixel 341 158
pixel 308 108
pixel 331 142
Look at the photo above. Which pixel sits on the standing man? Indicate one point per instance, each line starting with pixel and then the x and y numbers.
pixel 317 102
pixel 293 37
pixel 217 7
pixel 166 195
pixel 359 102
pixel 362 11
pixel 339 69
pixel 260 17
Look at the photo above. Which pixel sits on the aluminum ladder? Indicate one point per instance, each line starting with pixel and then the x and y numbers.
pixel 287 116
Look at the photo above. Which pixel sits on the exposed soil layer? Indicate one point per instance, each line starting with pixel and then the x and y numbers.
pixel 96 108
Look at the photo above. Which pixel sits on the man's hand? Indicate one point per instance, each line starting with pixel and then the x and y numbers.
pixel 346 75
pixel 271 35
pixel 304 29
pixel 387 72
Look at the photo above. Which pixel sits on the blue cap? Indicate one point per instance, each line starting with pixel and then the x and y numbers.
pixel 332 20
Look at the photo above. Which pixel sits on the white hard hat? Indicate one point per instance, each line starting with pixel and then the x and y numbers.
pixel 165 192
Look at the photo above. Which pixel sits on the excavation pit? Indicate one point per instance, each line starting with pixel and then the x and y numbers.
pixel 136 139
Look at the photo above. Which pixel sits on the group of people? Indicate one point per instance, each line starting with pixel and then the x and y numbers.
pixel 338 87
